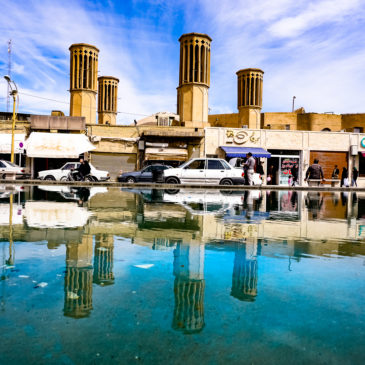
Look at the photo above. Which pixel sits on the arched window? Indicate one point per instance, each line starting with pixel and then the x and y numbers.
pixel 326 130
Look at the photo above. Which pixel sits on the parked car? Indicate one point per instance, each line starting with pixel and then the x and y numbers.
pixel 62 173
pixel 205 171
pixel 9 168
pixel 147 174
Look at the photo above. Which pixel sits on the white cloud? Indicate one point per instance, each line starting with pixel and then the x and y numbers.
pixel 315 14
pixel 311 49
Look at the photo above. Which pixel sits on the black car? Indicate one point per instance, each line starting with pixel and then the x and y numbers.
pixel 152 173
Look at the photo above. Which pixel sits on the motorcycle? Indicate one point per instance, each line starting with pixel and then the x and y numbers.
pixel 74 175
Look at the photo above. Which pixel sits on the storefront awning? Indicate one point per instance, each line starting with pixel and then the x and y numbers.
pixel 5 143
pixel 55 215
pixel 57 145
pixel 242 151
pixel 168 154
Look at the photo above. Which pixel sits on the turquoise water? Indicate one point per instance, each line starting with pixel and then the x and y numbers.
pixel 183 277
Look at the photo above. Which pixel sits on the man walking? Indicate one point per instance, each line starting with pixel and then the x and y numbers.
pixel 249 168
pixel 335 174
pixel 314 172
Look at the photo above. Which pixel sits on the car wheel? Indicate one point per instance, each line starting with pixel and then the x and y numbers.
pixel 89 178
pixel 49 178
pixel 226 182
pixel 130 180
pixel 172 180
pixel 95 178
pixel 63 178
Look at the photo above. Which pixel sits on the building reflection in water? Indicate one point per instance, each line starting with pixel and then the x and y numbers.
pixel 245 271
pixel 103 259
pixel 189 288
pixel 79 278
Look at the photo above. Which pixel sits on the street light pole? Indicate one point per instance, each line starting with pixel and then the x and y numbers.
pixel 13 93
pixel 292 109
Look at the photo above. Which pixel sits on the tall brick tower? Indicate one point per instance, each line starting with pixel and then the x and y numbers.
pixel 194 79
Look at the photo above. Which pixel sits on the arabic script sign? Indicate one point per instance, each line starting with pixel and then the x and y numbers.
pixel 240 137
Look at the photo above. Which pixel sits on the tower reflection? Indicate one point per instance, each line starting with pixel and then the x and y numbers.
pixel 78 278
pixel 245 271
pixel 103 259
pixel 189 286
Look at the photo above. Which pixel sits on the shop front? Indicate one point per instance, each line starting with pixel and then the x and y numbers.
pixel 280 166
pixel 52 150
pixel 288 149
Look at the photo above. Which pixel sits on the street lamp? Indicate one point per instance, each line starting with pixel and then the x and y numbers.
pixel 14 94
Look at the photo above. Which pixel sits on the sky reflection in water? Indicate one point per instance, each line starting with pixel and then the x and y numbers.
pixel 97 275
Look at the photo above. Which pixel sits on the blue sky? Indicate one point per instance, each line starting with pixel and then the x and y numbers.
pixel 314 50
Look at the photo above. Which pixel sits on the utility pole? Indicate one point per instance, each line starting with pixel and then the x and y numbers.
pixel 9 74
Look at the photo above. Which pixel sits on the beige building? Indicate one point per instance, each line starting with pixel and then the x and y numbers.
pixel 282 149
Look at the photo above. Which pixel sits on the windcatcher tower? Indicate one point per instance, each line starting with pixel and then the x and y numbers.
pixel 249 101
pixel 107 100
pixel 194 79
pixel 83 81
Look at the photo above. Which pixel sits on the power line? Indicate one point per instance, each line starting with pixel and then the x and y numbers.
pixel 67 103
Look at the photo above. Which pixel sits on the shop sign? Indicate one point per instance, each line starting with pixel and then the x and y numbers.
pixel 362 143
pixel 240 137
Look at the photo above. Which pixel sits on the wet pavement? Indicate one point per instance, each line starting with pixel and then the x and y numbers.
pixel 124 275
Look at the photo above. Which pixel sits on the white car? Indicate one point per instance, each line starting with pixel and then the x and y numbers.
pixel 204 171
pixel 9 168
pixel 62 173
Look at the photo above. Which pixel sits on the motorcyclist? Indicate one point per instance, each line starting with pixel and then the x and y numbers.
pixel 83 170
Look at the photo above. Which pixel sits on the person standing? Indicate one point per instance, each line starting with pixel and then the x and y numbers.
pixel 335 174
pixel 344 177
pixel 314 172
pixel 294 174
pixel 249 168
pixel 271 175
pixel 355 175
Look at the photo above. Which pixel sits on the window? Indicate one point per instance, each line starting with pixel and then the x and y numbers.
pixel 147 169
pixel 2 165
pixel 358 130
pixel 287 127
pixel 196 165
pixel 226 165
pixel 215 165
pixel 68 166
pixel 361 164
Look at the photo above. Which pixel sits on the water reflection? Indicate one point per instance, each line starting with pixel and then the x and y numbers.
pixel 79 278
pixel 245 271
pixel 215 253
pixel 189 286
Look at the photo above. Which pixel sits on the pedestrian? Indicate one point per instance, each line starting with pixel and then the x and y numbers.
pixel 260 169
pixel 249 168
pixel 294 174
pixel 271 175
pixel 344 178
pixel 335 174
pixel 355 175
pixel 314 172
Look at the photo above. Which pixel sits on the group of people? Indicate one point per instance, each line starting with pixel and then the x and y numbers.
pixel 314 175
